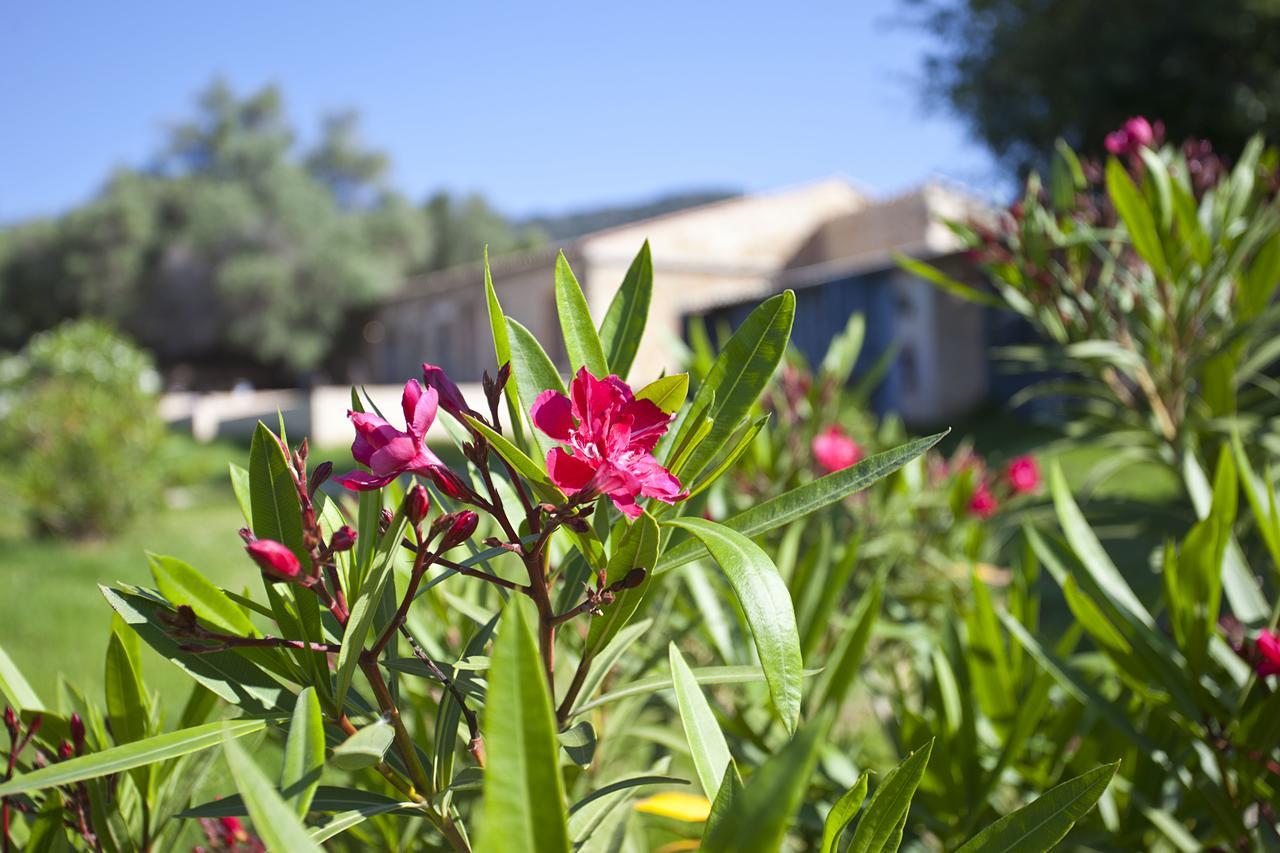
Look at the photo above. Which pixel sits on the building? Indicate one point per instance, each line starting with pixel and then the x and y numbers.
pixel 826 240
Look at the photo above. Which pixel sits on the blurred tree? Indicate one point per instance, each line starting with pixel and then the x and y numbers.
pixel 235 249
pixel 1023 72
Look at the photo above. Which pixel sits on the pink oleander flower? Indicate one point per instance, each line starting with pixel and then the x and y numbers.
pixel 611 436
pixel 1133 135
pixel 1268 660
pixel 1023 475
pixel 389 452
pixel 834 450
pixel 983 503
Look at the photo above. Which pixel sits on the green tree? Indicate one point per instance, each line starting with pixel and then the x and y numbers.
pixel 1024 72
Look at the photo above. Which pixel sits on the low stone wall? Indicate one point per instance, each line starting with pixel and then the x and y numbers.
pixel 319 413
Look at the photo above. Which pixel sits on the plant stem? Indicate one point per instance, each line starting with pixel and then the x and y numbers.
pixel 404 743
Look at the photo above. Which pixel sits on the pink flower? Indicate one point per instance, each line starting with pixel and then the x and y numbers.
pixel 1023 475
pixel 1134 134
pixel 982 503
pixel 389 452
pixel 834 450
pixel 451 399
pixel 611 436
pixel 1269 650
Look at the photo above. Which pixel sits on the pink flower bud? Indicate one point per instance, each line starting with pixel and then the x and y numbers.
pixel 1023 475
pixel 450 397
pixel 416 504
pixel 275 559
pixel 1268 658
pixel 457 528
pixel 65 751
pixel 385 518
pixel 983 503
pixel 449 483
pixel 834 450
pixel 77 732
pixel 11 722
pixel 343 539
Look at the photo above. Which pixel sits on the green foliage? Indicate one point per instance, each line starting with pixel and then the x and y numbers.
pixel 1024 73
pixel 79 426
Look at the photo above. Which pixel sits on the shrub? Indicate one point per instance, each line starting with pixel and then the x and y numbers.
pixel 80 429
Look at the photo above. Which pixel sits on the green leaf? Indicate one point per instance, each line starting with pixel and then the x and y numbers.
pixel 638 548
pixel 328 798
pixel 354 817
pixel 519 460
pixel 880 827
pixel 766 603
pixel 140 753
pixel 273 495
pixel 836 681
pixel 523 792
pixel 533 372
pixel 623 324
pixel 365 748
pixel 1041 824
pixel 360 623
pixel 723 805
pixel 707 745
pixel 703 675
pixel 760 815
pixel 502 349
pixel 181 584
pixel 1133 209
pixel 579 742
pixel 14 687
pixel 240 486
pixel 946 283
pixel 273 820
pixel 806 499
pixel 726 463
pixel 580 338
pixel 603 661
pixel 667 393
pixel 303 752
pixel 127 707
pixel 843 813
pixel 741 371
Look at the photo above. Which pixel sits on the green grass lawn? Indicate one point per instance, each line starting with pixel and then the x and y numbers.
pixel 53 618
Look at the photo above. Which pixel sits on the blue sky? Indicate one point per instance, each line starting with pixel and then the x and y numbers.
pixel 542 107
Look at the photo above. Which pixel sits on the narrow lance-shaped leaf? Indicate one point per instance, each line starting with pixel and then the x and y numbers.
pixel 1040 825
pixel 140 753
pixel 760 815
pixel 182 584
pixel 880 827
pixel 806 499
pixel 637 549
pixel 580 338
pixel 842 813
pixel 14 687
pixel 624 322
pixel 741 371
pixel 273 495
pixel 523 804
pixel 273 820
pixel 533 372
pixel 303 752
pixel 502 349
pixel 766 603
pixel 707 745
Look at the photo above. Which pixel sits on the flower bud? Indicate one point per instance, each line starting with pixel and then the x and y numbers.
pixel 318 477
pixel 65 751
pixel 416 504
pixel 450 397
pixel 343 539
pixel 456 527
pixel 384 520
pixel 77 732
pixel 275 559
pixel 11 722
pixel 247 535
pixel 634 578
pixel 449 483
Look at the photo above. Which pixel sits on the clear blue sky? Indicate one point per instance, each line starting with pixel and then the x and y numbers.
pixel 541 106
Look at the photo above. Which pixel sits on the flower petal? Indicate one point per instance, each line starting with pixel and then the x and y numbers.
pixel 423 414
pixel 395 455
pixel 568 472
pixel 552 413
pixel 648 423
pixel 363 481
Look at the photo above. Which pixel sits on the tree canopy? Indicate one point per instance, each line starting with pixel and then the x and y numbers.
pixel 236 246
pixel 1024 72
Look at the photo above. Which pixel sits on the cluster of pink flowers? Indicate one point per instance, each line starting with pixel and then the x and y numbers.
pixel 609 437
pixel 1020 477
pixel 1134 135
pixel 834 450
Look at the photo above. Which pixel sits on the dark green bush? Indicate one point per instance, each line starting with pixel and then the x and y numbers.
pixel 80 430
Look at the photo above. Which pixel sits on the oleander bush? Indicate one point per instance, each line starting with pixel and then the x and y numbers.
pixel 80 430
